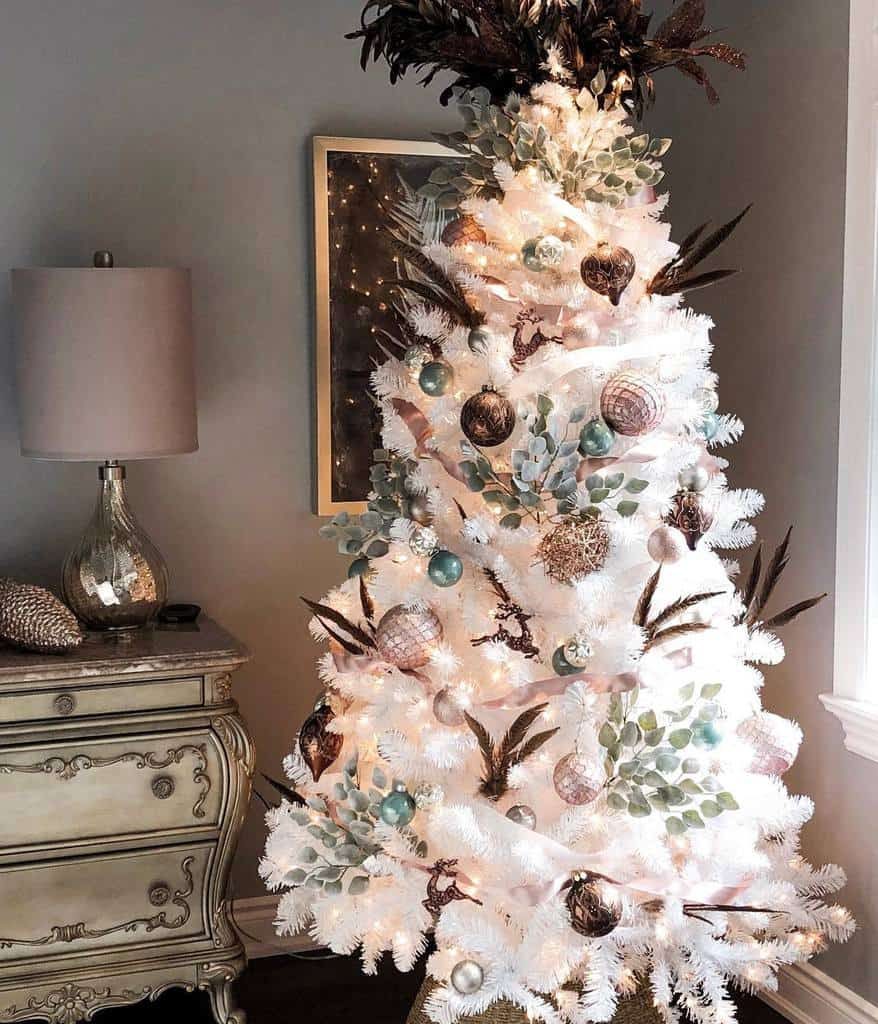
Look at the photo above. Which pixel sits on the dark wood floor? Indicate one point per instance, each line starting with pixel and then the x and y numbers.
pixel 282 989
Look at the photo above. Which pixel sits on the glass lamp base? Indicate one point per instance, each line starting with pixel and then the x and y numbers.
pixel 115 577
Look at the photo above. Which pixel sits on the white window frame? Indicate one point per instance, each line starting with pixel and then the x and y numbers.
pixel 854 699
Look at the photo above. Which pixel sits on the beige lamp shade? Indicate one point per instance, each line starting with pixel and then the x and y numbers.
pixel 105 363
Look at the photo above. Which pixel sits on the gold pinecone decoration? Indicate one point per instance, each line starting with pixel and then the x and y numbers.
pixel 35 620
pixel 574 549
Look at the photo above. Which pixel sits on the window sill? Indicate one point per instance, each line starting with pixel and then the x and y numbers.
pixel 860 721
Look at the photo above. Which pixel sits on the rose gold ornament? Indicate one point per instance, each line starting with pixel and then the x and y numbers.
pixel 464 230
pixel 447 708
pixel 487 418
pixel 775 742
pixel 319 746
pixel 632 404
pixel 609 270
pixel 407 637
pixel 575 780
pixel 666 544
pixel 690 516
pixel 592 913
pixel 573 549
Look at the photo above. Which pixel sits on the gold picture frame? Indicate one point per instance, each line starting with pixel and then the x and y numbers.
pixel 326 150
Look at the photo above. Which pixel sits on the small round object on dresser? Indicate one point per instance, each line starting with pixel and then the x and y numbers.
pixel 407 637
pixel 632 404
pixel 523 815
pixel 666 544
pixel 467 977
pixel 33 619
pixel 445 569
pixel 596 439
pixel 464 230
pixel 162 787
pixel 436 378
pixel 159 894
pixel 64 704
pixel 487 418
pixel 398 807
pixel 575 780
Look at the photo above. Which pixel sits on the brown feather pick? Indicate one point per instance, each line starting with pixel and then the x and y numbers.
pixel 675 277
pixel 755 597
pixel 512 749
pixel 323 612
pixel 641 612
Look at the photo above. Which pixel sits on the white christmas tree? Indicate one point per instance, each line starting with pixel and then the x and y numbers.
pixel 541 737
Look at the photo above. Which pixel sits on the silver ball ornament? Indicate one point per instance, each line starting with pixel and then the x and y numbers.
pixel 523 815
pixel 467 977
pixel 695 478
pixel 423 541
pixel 479 340
pixel 707 399
pixel 406 637
pixel 415 357
pixel 549 250
pixel 578 652
pixel 419 509
pixel 427 795
pixel 447 708
pixel 576 781
pixel 666 544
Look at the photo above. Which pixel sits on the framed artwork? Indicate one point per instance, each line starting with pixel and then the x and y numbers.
pixel 361 186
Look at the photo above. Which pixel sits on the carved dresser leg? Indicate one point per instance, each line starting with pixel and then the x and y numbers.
pixel 217 980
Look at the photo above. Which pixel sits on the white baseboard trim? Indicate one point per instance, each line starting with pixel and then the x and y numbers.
pixel 808 996
pixel 254 918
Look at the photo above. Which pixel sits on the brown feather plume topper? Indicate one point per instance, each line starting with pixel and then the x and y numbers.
pixel 507 45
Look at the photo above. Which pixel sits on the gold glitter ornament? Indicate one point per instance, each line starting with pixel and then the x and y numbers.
pixel 407 637
pixel 35 620
pixel 574 549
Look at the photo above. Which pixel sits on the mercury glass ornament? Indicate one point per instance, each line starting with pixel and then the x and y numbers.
pixel 445 569
pixel 632 404
pixel 436 378
pixel 576 781
pixel 592 914
pixel 549 250
pixel 596 439
pixel 479 340
pixel 398 807
pixel 428 794
pixel 319 747
pixel 423 541
pixel 487 418
pixel 415 357
pixel 418 509
pixel 467 977
pixel 521 814
pixel 407 637
pixel 709 426
pixel 707 399
pixel 609 270
pixel 690 516
pixel 529 256
pixel 695 478
pixel 447 708
pixel 775 742
pixel 578 651
pixel 573 549
pixel 666 544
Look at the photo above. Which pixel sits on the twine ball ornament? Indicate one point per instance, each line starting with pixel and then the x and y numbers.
pixel 447 708
pixel 319 747
pixel 632 404
pixel 487 418
pixel 691 516
pixel 775 742
pixel 467 977
pixel 573 549
pixel 666 544
pixel 464 230
pixel 575 781
pixel 33 619
pixel 423 541
pixel 591 913
pixel 407 637
pixel 522 815
pixel 609 270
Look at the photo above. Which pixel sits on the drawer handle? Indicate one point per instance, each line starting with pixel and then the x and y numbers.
pixel 159 894
pixel 162 787
pixel 64 704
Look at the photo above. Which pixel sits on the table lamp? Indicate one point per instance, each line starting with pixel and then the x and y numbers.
pixel 105 368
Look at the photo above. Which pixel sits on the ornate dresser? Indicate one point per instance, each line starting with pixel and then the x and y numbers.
pixel 124 780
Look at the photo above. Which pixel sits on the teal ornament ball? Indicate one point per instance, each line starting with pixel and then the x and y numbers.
pixel 436 378
pixel 709 426
pixel 708 735
pixel 529 256
pixel 445 569
pixel 398 808
pixel 561 665
pixel 596 438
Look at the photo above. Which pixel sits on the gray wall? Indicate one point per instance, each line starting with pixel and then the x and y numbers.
pixel 176 131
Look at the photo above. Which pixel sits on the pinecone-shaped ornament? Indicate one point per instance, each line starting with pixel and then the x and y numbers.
pixel 592 914
pixel 464 230
pixel 407 637
pixel 573 549
pixel 609 270
pixel 691 516
pixel 35 620
pixel 319 746
pixel 487 418
pixel 632 404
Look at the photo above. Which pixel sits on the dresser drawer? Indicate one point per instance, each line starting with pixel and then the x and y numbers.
pixel 80 701
pixel 109 788
pixel 102 902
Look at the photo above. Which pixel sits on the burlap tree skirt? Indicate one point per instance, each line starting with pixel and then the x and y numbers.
pixel 636 1010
